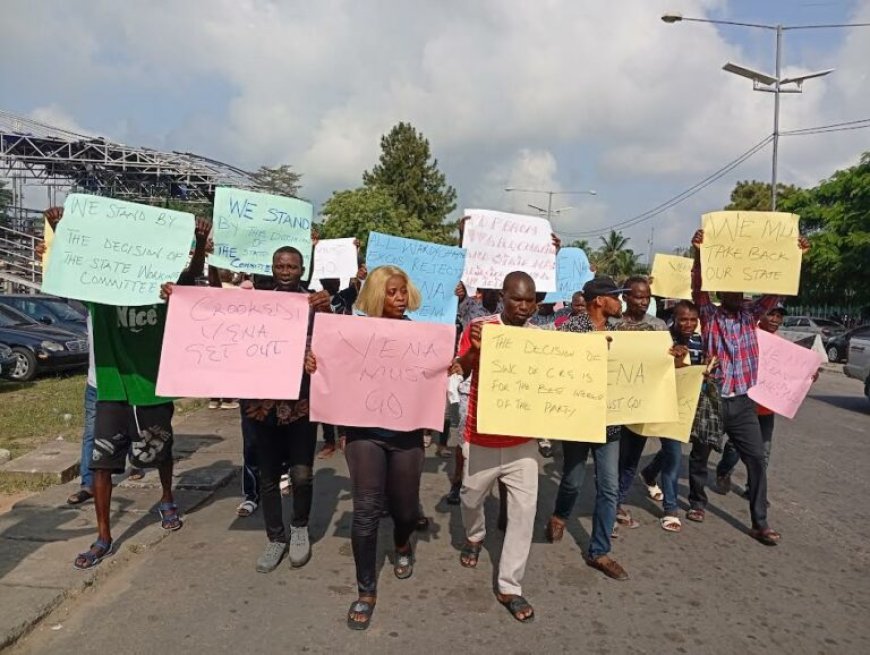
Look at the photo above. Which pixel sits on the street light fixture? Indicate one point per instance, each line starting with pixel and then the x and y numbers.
pixel 549 211
pixel 768 83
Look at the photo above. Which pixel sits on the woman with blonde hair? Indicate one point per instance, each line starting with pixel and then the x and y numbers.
pixel 385 465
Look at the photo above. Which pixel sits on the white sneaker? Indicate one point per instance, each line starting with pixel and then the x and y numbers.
pixel 213 404
pixel 230 404
pixel 300 547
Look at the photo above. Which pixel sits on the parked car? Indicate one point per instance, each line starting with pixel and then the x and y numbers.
pixel 838 346
pixel 38 348
pixel 824 327
pixel 858 364
pixel 48 310
pixel 7 358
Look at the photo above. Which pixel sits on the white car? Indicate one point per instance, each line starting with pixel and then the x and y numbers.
pixel 858 364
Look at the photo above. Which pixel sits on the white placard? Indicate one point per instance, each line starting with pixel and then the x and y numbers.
pixel 334 258
pixel 498 243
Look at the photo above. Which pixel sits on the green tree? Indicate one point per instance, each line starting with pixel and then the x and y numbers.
pixel 409 173
pixel 280 180
pixel 752 195
pixel 836 217
pixel 356 212
pixel 583 244
pixel 614 258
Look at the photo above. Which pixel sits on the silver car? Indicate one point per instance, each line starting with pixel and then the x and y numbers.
pixel 858 365
pixel 797 327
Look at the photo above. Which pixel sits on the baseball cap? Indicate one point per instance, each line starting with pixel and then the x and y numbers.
pixel 601 286
pixel 780 309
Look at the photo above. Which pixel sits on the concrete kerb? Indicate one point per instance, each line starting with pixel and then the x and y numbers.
pixel 42 533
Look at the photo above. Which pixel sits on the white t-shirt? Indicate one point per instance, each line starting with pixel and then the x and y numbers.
pixel 92 369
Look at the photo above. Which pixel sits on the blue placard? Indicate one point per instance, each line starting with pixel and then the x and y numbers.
pixel 433 268
pixel 572 272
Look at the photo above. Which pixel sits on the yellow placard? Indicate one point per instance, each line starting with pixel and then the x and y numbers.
pixel 754 252
pixel 689 380
pixel 541 383
pixel 641 385
pixel 672 276
pixel 48 239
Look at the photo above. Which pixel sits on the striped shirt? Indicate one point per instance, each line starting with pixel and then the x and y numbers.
pixel 730 337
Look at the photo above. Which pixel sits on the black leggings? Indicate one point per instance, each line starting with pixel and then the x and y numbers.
pixel 383 472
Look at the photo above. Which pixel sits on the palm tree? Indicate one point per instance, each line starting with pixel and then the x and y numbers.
pixel 611 247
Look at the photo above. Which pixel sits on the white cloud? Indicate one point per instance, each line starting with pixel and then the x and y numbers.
pixel 509 92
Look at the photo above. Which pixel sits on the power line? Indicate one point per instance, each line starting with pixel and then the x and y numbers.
pixel 677 199
pixel 833 127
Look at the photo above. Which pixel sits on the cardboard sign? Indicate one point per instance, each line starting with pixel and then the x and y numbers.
pixel 114 252
pixel 498 243
pixel 785 374
pixel 572 272
pixel 434 269
pixel 544 384
pixel 379 372
pixel 248 228
pixel 672 276
pixel 689 380
pixel 233 343
pixel 335 258
pixel 753 252
pixel 641 384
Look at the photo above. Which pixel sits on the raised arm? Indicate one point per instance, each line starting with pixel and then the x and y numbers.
pixel 700 298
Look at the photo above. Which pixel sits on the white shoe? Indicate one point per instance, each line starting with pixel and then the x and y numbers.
pixel 213 404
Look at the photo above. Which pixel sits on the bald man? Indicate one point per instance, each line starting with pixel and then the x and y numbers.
pixel 491 458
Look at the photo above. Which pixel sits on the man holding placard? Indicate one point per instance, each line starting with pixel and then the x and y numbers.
pixel 131 419
pixel 490 458
pixel 729 336
pixel 602 308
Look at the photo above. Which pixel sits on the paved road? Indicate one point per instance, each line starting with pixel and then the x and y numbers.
pixel 710 589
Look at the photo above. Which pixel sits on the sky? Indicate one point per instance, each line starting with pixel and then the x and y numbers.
pixel 549 95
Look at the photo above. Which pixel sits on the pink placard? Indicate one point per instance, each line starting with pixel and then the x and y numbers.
pixel 378 372
pixel 233 343
pixel 785 374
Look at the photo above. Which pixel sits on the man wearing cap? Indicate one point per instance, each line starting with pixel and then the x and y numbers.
pixel 770 322
pixel 602 303
pixel 728 332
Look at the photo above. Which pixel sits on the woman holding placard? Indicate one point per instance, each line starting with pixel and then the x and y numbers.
pixel 385 465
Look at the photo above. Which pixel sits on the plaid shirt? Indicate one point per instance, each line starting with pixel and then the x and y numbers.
pixel 731 337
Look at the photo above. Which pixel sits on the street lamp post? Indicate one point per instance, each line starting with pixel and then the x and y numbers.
pixel 550 211
pixel 767 83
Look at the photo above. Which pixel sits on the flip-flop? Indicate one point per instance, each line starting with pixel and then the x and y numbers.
pixel 90 559
pixel 363 607
pixel 671 524
pixel 471 553
pixel 79 497
pixel 170 520
pixel 246 508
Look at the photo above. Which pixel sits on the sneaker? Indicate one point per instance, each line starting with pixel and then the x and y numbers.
pixel 300 547
pixel 271 557
pixel 230 404
pixel 214 404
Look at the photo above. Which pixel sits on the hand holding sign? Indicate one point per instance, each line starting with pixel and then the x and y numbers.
pixel 114 252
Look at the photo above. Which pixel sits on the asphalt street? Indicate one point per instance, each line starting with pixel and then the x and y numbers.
pixel 710 589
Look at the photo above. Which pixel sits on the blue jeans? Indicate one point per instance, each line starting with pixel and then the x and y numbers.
pixel 88 437
pixel 631 447
pixel 606 459
pixel 667 462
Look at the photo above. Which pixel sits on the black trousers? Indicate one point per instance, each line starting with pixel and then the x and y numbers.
pixel 741 426
pixel 278 446
pixel 384 473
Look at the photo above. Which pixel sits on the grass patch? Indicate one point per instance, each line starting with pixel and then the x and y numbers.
pixel 32 413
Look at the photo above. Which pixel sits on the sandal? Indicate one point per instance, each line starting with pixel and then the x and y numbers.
pixel 696 515
pixel 766 536
pixel 469 554
pixel 427 439
pixel 671 524
pixel 99 551
pixel 403 564
pixel 246 508
pixel 169 517
pixel 517 604
pixel 363 607
pixel 422 524
pixel 136 474
pixel 79 497
pixel 623 517
pixel 655 491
